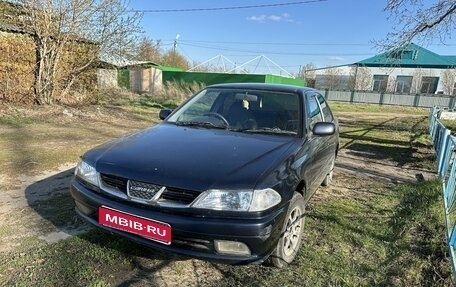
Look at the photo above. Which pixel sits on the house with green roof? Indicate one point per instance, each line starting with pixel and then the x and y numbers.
pixel 408 70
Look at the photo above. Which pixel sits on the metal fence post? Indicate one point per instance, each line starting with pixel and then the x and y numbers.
pixel 352 96
pixel 451 103
pixel 416 101
pixel 445 152
pixel 447 157
pixel 382 98
pixel 432 121
pixel 442 150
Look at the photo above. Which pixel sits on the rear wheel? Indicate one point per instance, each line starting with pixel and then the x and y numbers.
pixel 290 240
pixel 328 178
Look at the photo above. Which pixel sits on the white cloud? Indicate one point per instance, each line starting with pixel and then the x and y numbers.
pixel 274 18
pixel 336 58
pixel 260 18
pixel 270 18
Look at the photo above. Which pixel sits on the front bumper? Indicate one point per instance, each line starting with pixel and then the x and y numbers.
pixel 192 235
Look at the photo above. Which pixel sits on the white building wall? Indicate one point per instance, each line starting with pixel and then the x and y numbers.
pixel 416 73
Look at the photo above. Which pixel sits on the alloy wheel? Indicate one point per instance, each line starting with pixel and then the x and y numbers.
pixel 292 231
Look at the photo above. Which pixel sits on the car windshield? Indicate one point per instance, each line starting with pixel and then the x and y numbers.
pixel 241 110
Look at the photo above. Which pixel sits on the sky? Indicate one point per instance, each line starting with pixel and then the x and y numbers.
pixel 323 32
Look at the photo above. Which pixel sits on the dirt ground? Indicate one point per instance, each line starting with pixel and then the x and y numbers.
pixel 25 198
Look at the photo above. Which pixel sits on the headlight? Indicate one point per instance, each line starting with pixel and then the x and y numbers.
pixel 86 172
pixel 238 200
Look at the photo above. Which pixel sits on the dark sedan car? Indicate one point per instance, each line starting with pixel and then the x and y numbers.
pixel 225 177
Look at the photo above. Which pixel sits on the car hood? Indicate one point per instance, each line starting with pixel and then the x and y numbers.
pixel 192 158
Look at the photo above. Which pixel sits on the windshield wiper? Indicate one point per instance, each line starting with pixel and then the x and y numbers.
pixel 200 124
pixel 266 130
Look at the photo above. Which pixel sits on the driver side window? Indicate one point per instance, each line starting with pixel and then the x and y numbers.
pixel 200 107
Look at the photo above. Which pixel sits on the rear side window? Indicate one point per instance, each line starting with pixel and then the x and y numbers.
pixel 313 111
pixel 327 115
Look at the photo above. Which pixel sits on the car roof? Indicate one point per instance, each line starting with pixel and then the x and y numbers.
pixel 263 86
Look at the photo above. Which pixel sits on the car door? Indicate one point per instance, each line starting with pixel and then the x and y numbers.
pixel 318 147
pixel 330 145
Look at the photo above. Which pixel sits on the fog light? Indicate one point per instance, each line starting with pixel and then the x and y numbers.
pixel 84 209
pixel 231 247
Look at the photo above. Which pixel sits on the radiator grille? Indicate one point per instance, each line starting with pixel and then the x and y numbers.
pixel 147 190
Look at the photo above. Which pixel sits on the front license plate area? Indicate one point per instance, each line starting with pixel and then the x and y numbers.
pixel 148 228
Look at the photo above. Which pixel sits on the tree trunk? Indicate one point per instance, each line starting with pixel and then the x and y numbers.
pixel 47 59
pixel 68 86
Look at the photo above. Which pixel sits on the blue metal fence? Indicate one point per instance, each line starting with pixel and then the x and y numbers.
pixel 445 148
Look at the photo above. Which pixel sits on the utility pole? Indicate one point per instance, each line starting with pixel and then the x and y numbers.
pixel 174 48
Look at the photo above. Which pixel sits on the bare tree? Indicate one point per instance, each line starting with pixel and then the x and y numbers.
pixel 175 59
pixel 149 50
pixel 449 81
pixel 100 28
pixel 333 78
pixel 360 79
pixel 418 74
pixel 419 20
pixel 308 74
pixel 391 85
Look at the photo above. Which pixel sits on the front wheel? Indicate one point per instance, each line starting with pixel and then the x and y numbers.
pixel 290 239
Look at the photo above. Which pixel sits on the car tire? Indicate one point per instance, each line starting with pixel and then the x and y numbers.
pixel 328 178
pixel 291 234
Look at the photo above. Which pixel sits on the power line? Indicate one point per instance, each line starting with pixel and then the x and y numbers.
pixel 274 44
pixel 273 52
pixel 185 53
pixel 288 43
pixel 226 8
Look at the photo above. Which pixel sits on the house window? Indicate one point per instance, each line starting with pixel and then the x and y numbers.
pixel 403 54
pixel 454 89
pixel 429 85
pixel 380 83
pixel 403 84
pixel 408 55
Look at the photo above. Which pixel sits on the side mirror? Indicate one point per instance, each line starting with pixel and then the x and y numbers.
pixel 324 129
pixel 164 113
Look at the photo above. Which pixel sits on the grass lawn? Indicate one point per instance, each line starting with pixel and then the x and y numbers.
pixel 363 231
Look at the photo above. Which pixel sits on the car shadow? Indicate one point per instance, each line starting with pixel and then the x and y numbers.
pixel 50 199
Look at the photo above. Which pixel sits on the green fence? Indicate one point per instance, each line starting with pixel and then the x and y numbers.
pixel 219 78
pixel 123 78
